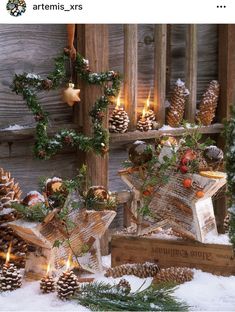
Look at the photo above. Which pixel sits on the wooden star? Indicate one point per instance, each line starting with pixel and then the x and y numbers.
pixel 71 95
pixel 83 238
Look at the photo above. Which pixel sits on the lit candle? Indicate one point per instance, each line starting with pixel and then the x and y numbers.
pixel 47 284
pixel 144 123
pixel 10 278
pixel 119 120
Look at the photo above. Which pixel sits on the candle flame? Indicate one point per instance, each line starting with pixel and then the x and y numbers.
pixel 48 268
pixel 68 263
pixel 144 112
pixel 118 103
pixel 148 100
pixel 8 255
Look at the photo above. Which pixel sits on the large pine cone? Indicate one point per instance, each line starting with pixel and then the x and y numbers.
pixel 208 104
pixel 67 285
pixel 178 99
pixel 175 275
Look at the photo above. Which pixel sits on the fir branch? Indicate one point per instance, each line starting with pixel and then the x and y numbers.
pixel 105 297
pixel 37 213
pixel 28 85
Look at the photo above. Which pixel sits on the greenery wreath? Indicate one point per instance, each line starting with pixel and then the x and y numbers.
pixel 28 84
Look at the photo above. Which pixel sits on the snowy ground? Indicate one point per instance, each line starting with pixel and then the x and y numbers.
pixel 205 292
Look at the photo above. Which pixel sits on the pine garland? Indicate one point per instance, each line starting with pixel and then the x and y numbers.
pixel 230 168
pixel 105 297
pixel 28 85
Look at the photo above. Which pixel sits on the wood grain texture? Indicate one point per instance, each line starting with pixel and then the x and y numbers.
pixel 191 72
pixel 218 259
pixel 160 56
pixel 130 72
pixel 30 48
pixel 96 49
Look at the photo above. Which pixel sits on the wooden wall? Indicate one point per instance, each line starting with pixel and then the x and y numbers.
pixel 31 48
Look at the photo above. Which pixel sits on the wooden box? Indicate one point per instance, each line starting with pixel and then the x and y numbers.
pixel 214 258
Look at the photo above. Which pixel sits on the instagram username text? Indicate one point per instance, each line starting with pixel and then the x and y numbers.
pixel 58 7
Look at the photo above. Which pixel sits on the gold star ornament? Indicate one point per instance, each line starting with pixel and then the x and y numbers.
pixel 71 95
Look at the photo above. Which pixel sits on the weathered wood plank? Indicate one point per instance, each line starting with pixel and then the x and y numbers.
pixel 30 48
pixel 152 134
pixel 130 73
pixel 218 259
pixel 191 72
pixel 96 50
pixel 160 71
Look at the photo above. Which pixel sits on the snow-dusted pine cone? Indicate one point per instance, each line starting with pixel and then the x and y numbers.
pixel 9 190
pixel 208 104
pixel 144 124
pixel 137 269
pixel 124 286
pixel 176 275
pixel 19 247
pixel 118 121
pixel 47 285
pixel 178 99
pixel 10 278
pixel 226 222
pixel 67 285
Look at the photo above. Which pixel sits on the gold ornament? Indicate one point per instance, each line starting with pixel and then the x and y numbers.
pixel 71 95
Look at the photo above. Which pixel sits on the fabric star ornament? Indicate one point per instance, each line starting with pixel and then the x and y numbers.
pixel 71 95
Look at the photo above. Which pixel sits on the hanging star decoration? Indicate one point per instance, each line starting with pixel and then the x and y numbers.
pixel 71 95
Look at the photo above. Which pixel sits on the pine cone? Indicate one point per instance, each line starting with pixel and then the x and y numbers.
pixel 176 111
pixel 227 222
pixel 137 269
pixel 118 121
pixel 144 124
pixel 47 285
pixel 9 190
pixel 124 286
pixel 208 104
pixel 19 247
pixel 10 278
pixel 67 285
pixel 176 275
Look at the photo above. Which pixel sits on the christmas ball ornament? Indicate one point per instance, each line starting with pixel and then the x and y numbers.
pixel 208 104
pixel 140 153
pixel 67 285
pixel 71 95
pixel 124 286
pixel 118 121
pixel 176 275
pixel 47 285
pixel 10 278
pixel 187 183
pixel 178 99
pixel 53 186
pixel 97 193
pixel 16 7
pixel 213 154
pixel 33 198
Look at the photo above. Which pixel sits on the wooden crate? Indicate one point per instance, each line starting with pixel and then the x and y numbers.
pixel 214 258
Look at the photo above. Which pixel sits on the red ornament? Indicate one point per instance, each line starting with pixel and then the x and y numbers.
pixel 190 154
pixel 183 169
pixel 184 161
pixel 187 183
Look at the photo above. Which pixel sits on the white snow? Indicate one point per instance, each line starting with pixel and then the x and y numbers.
pixel 222 239
pixel 14 127
pixel 206 292
pixel 168 128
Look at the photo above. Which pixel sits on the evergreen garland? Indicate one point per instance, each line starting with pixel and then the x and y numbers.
pixel 28 85
pixel 105 297
pixel 230 168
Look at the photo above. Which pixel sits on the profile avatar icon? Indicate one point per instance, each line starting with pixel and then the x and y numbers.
pixel 16 7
